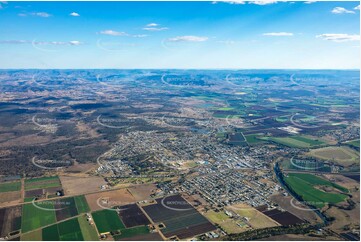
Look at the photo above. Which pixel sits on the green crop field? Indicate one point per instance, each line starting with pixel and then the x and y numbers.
pixel 303 185
pixel 33 217
pixel 10 186
pixel 107 220
pixel 253 139
pixel 295 141
pixel 88 231
pixel 68 230
pixel 81 204
pixel 42 182
pixel 128 233
pixel 354 143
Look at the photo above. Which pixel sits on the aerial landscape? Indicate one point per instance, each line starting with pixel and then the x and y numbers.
pixel 172 138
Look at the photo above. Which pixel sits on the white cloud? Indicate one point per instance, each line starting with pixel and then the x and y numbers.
pixel 230 2
pixel 152 25
pixel 357 8
pixel 188 38
pixel 339 37
pixel 263 2
pixel 41 14
pixel 155 29
pixel 278 34
pixel 341 10
pixel 116 33
pixel 113 33
pixel 74 14
pixel 310 2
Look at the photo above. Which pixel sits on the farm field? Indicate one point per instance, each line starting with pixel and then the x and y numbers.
pixel 255 218
pixel 68 230
pixel 354 143
pixel 43 182
pixel 80 185
pixel 107 221
pixel 35 235
pixel 295 141
pixel 10 186
pixel 81 204
pixel 89 231
pixel 227 224
pixel 115 197
pixel 183 221
pixel 253 138
pixel 65 208
pixel 342 155
pixel 10 220
pixel 132 216
pixel 304 186
pixel 132 232
pixel 10 197
pixel 33 217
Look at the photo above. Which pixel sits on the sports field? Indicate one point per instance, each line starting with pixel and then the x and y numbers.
pixel 107 221
pixel 34 217
pixel 304 186
pixel 342 155
pixel 10 186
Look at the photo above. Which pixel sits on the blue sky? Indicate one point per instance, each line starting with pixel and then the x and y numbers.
pixel 197 35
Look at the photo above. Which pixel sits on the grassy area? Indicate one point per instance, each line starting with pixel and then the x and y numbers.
pixel 68 230
pixel 88 230
pixel 216 217
pixel 10 186
pixel 353 143
pixel 342 155
pixel 35 235
pixel 81 204
pixel 253 139
pixel 33 217
pixel 227 224
pixel 107 221
pixel 42 182
pixel 295 141
pixel 304 186
pixel 128 233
